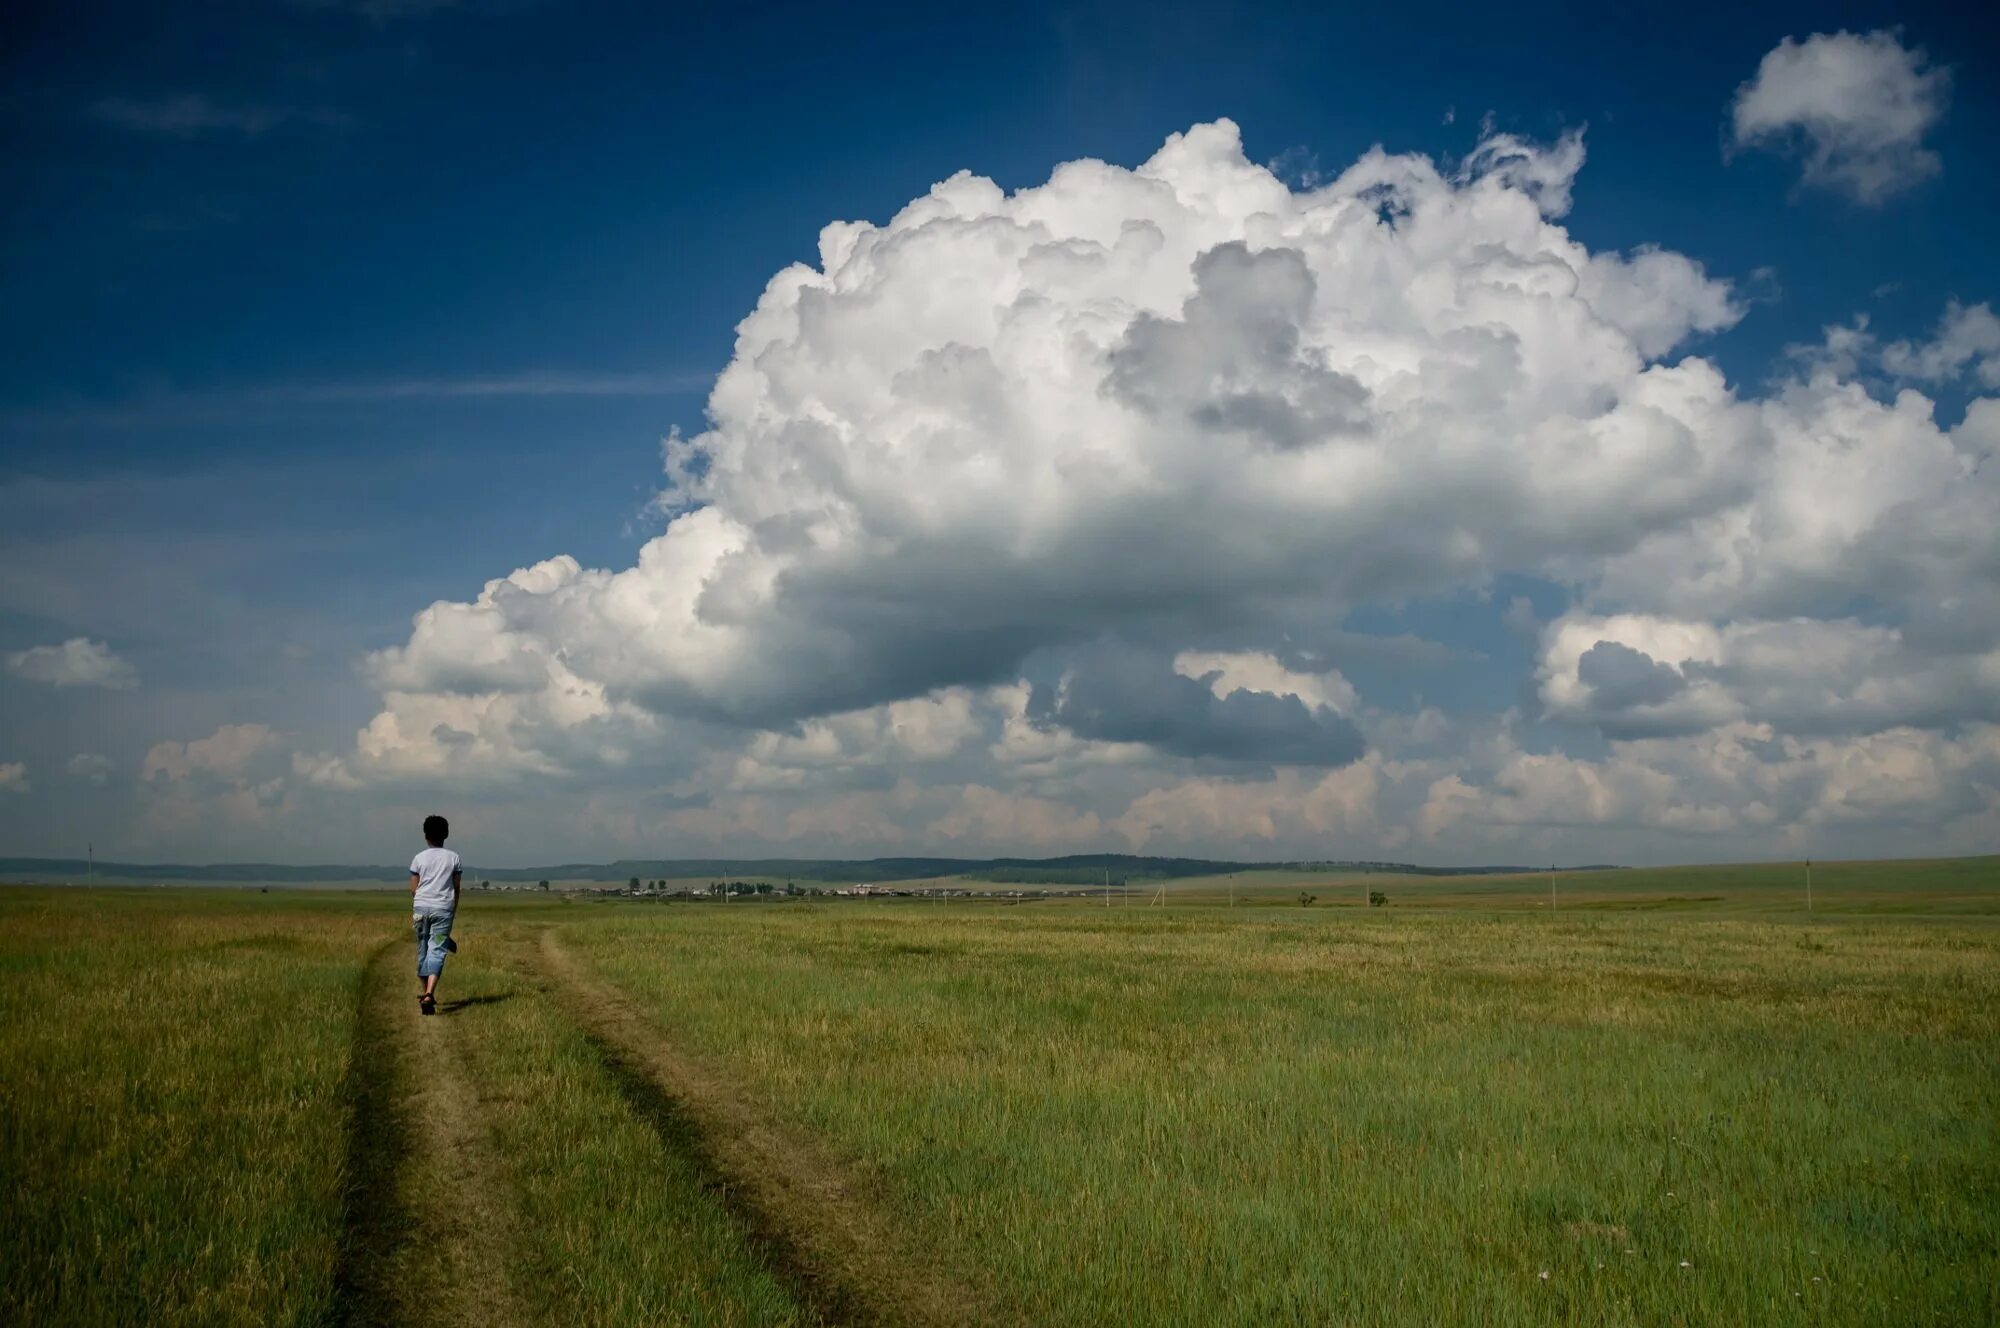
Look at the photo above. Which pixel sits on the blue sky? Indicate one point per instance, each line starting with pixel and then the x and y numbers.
pixel 321 313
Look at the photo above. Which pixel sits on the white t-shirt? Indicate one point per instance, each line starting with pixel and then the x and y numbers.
pixel 434 868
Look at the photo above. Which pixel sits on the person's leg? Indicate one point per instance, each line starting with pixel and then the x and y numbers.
pixel 440 933
pixel 430 958
pixel 420 924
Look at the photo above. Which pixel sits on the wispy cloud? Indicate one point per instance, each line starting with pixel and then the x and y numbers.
pixel 157 408
pixel 78 662
pixel 192 114
pixel 533 383
pixel 91 768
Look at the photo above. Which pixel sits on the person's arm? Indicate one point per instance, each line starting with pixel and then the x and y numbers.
pixel 415 881
pixel 454 885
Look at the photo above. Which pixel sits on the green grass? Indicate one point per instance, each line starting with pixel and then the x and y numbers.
pixel 616 1226
pixel 177 1088
pixel 1935 886
pixel 1305 1115
pixel 1680 1098
pixel 173 1108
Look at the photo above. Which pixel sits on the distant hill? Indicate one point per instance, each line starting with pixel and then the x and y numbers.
pixel 1083 868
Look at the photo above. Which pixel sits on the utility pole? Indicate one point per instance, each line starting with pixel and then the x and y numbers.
pixel 1107 887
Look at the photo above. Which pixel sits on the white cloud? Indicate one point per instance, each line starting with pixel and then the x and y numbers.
pixel 14 777
pixel 1031 750
pixel 1901 789
pixel 1965 346
pixel 1634 674
pixel 228 753
pixel 1542 172
pixel 1115 403
pixel 1481 796
pixel 1967 342
pixel 235 784
pixel 1256 671
pixel 90 768
pixel 902 734
pixel 1030 522
pixel 1293 810
pixel 1845 498
pixel 1657 297
pixel 320 770
pixel 1856 106
pixel 77 662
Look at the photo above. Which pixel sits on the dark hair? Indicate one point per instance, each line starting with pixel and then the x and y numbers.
pixel 436 829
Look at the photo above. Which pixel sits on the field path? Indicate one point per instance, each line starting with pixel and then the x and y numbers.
pixel 455 1219
pixel 788 1190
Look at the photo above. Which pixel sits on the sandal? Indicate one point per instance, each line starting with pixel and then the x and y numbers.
pixel 427 1003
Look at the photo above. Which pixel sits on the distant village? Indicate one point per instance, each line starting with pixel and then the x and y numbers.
pixel 773 890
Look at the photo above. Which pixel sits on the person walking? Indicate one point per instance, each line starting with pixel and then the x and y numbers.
pixel 434 876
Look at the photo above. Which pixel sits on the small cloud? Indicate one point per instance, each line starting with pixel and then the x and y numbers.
pixel 324 771
pixel 1967 342
pixel 14 777
pixel 77 662
pixel 226 753
pixel 1856 107
pixel 1966 346
pixel 192 114
pixel 1886 289
pixel 1450 114
pixel 90 768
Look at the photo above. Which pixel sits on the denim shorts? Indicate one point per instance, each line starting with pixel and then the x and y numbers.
pixel 433 929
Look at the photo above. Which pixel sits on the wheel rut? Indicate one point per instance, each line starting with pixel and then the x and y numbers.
pixel 815 1217
pixel 373 1220
pixel 431 1225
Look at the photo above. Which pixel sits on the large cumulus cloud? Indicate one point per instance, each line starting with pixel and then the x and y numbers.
pixel 1130 400
pixel 1044 510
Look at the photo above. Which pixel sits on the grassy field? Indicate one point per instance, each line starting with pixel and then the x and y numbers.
pixel 221 1108
pixel 154 1053
pixel 1937 885
pixel 1679 1099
